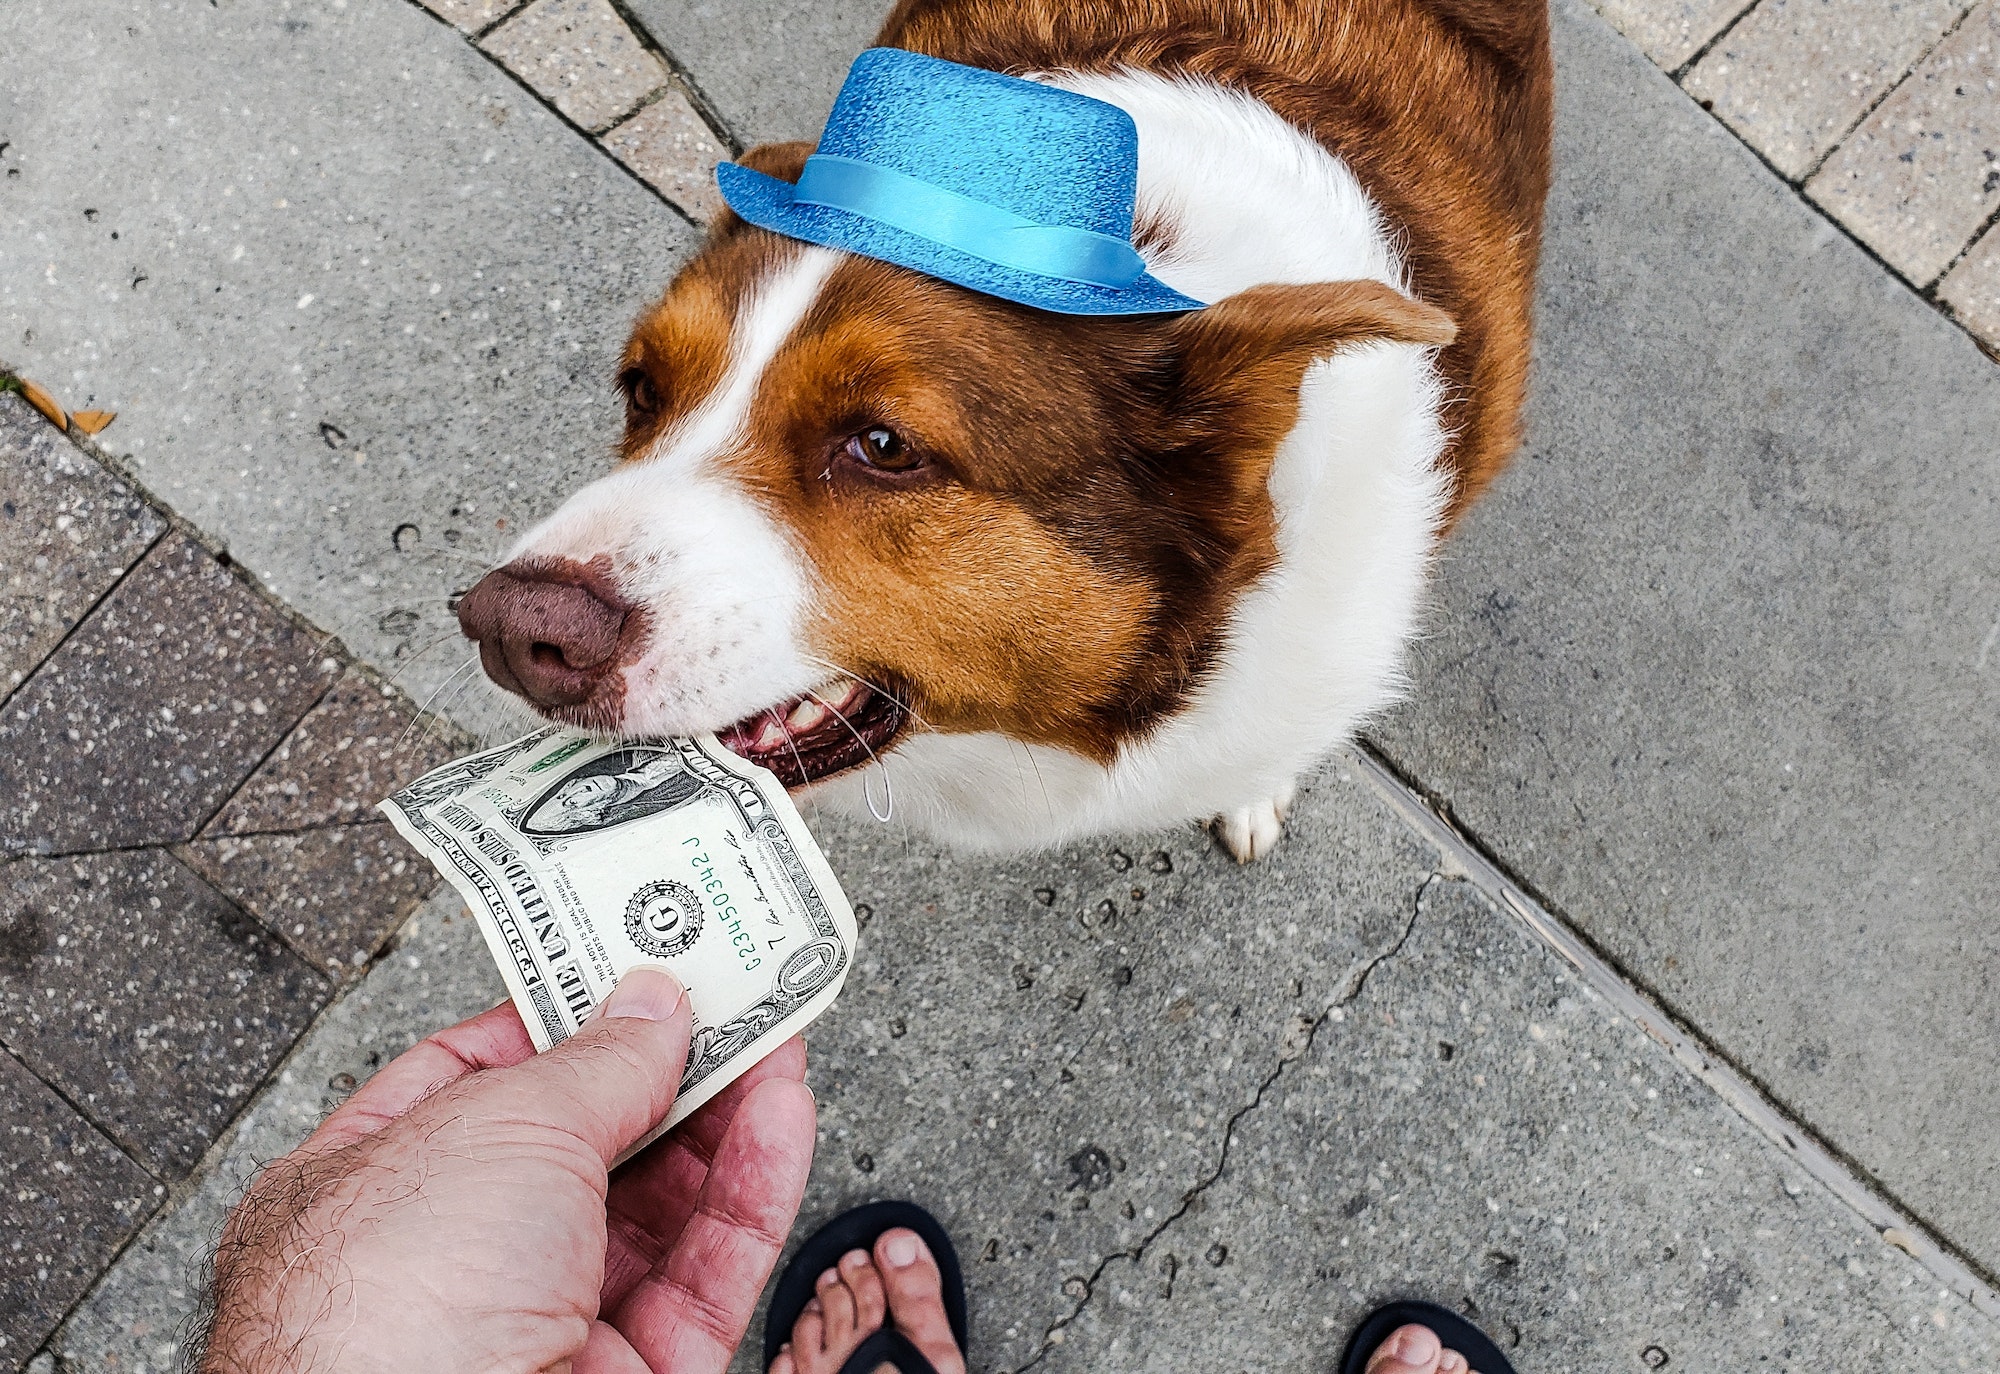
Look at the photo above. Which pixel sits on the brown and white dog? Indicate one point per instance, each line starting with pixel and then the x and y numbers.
pixel 1076 573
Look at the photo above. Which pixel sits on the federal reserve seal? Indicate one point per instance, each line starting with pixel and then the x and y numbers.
pixel 664 918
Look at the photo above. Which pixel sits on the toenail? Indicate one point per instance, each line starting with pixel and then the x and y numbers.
pixel 828 1279
pixel 1417 1346
pixel 812 1307
pixel 853 1258
pixel 901 1250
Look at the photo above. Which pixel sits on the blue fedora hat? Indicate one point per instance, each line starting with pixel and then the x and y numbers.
pixel 1004 186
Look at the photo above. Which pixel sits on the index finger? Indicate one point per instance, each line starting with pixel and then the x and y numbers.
pixel 494 1039
pixel 689 1314
pixel 653 1195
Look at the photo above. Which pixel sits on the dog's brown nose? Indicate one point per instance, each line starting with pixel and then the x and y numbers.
pixel 543 632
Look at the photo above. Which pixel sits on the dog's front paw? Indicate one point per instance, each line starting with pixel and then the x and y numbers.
pixel 1251 832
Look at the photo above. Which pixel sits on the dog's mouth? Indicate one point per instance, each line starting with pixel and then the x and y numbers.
pixel 817 734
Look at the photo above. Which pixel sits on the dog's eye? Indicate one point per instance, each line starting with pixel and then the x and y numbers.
pixel 883 449
pixel 641 396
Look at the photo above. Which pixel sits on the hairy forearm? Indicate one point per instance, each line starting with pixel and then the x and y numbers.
pixel 278 1290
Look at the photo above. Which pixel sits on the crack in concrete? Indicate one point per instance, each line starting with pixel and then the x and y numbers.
pixel 1288 1054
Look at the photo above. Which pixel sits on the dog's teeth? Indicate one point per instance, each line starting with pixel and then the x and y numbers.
pixel 807 715
pixel 770 734
pixel 851 698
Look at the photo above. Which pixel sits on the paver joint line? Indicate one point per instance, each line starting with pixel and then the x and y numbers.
pixel 697 97
pixel 1828 1166
pixel 1679 74
pixel 1292 1050
pixel 1881 97
pixel 595 140
pixel 1865 213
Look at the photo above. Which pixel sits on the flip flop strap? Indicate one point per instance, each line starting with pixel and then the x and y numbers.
pixel 887 1346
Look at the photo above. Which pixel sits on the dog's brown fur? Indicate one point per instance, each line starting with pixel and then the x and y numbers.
pixel 1442 108
pixel 1095 497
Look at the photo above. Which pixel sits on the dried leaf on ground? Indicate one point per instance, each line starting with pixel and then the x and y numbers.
pixel 93 421
pixel 47 404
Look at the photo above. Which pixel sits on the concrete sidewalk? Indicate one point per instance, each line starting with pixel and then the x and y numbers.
pixel 1708 672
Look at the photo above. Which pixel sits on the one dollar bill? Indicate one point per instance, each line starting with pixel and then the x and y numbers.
pixel 581 858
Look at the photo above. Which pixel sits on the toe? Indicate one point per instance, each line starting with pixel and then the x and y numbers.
pixel 871 1305
pixel 1451 1362
pixel 784 1363
pixel 809 1337
pixel 1250 832
pixel 837 1301
pixel 915 1293
pixel 1409 1349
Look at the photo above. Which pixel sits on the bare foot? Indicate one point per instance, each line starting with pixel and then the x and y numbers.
pixel 899 1281
pixel 1413 1350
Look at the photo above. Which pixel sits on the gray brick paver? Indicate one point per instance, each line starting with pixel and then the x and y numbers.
pixel 68 1200
pixel 673 149
pixel 1671 31
pixel 68 530
pixel 1922 173
pixel 771 67
pixel 334 893
pixel 1793 76
pixel 469 16
pixel 153 1003
pixel 153 712
pixel 1972 288
pixel 355 747
pixel 581 56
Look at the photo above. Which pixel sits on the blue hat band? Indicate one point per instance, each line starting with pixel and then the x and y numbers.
pixel 973 227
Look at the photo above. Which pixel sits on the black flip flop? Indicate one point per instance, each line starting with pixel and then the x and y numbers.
pixel 1455 1331
pixel 859 1230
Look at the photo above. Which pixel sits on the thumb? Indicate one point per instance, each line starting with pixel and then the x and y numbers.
pixel 616 1078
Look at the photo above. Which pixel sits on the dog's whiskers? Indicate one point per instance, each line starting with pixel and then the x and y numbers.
pixel 785 727
pixel 477 560
pixel 411 661
pixel 867 795
pixel 881 692
pixel 417 719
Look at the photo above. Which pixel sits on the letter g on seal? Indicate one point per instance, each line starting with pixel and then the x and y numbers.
pixel 664 918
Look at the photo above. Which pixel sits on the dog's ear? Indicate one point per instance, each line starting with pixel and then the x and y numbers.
pixel 1240 361
pixel 1236 367
pixel 1264 338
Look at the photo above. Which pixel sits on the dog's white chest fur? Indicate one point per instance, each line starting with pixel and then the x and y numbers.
pixel 1316 646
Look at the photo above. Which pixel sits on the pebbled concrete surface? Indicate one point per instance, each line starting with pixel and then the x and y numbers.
pixel 1713 668
pixel 1056 1080
pixel 358 318
pixel 1474 1128
pixel 1680 283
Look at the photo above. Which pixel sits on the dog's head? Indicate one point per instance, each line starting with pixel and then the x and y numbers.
pixel 855 501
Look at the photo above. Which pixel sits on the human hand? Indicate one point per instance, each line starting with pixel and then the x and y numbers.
pixel 455 1213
